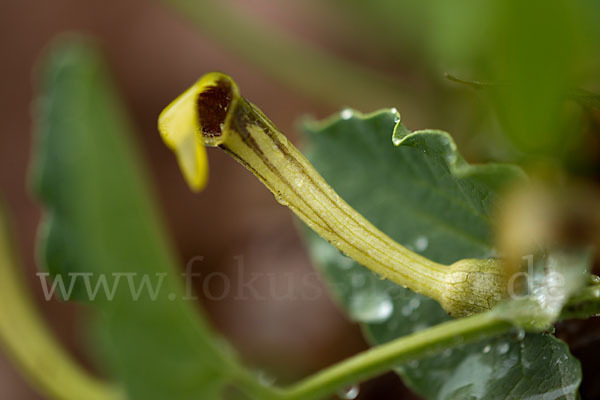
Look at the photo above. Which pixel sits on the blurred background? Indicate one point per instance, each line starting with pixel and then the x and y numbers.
pixel 297 58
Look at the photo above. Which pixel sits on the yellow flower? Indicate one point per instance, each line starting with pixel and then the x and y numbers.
pixel 179 126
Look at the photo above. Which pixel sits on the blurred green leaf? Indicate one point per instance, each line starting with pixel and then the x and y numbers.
pixel 536 49
pixel 26 338
pixel 540 47
pixel 425 196
pixel 440 34
pixel 100 220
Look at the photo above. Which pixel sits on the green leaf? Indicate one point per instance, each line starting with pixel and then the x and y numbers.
pixel 539 365
pixel 425 196
pixel 100 219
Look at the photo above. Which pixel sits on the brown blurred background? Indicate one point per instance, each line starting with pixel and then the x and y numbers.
pixel 154 54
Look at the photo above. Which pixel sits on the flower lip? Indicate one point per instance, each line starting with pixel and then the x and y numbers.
pixel 212 105
pixel 215 97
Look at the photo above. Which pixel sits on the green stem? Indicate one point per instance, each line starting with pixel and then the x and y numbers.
pixel 303 67
pixel 382 358
pixel 250 385
pixel 27 340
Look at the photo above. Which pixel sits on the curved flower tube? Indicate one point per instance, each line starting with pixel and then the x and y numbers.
pixel 213 112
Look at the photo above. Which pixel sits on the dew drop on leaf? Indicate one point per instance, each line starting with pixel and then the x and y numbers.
pixel 503 348
pixel 371 307
pixel 264 378
pixel 421 243
pixel 396 116
pixel 346 114
pixel 450 158
pixel 326 253
pixel 414 303
pixel 349 393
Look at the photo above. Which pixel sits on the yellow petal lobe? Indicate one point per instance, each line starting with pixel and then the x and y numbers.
pixel 179 129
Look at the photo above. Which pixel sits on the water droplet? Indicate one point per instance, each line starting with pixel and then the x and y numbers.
pixel 396 140
pixel 520 334
pixel 264 378
pixel 596 292
pixel 346 114
pixel 371 307
pixel 349 393
pixel 450 158
pixel 326 253
pixel 396 116
pixel 487 348
pixel 421 243
pixel 281 200
pixel 503 348
pixel 414 303
pixel 595 278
